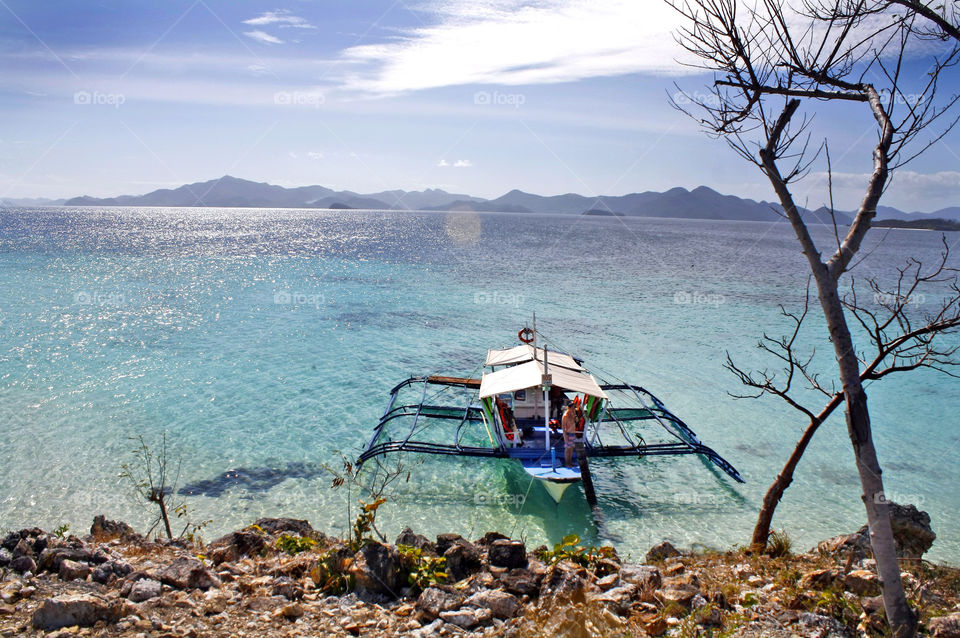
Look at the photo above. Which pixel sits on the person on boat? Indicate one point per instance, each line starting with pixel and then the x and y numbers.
pixel 569 425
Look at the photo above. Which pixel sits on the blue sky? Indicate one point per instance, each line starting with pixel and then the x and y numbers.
pixel 553 96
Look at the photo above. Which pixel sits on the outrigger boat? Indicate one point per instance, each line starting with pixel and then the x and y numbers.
pixel 512 411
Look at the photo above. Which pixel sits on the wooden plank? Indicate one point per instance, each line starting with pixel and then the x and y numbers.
pixel 462 381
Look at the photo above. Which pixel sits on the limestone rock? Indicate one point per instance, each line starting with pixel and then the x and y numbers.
pixel 467 618
pixel 820 578
pixel 82 610
pixel 51 557
pixel 502 604
pixel 463 559
pixel 522 582
pixel 103 529
pixel 187 573
pixel 619 598
pixel 912 535
pixel 564 580
pixel 862 582
pixel 504 552
pixel 5 557
pixel 434 600
pixel 276 526
pixel 646 577
pixel 72 570
pixel 662 551
pixel 235 546
pixel 144 590
pixel 444 541
pixel 23 565
pixel 945 626
pixel 407 537
pixel 376 568
pixel 288 588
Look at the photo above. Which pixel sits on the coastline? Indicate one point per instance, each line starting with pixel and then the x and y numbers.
pixel 281 577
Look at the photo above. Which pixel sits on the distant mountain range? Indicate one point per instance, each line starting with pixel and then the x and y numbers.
pixel 700 203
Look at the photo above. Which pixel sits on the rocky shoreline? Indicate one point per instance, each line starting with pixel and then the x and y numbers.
pixel 279 577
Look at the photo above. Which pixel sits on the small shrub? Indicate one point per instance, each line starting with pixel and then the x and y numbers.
pixel 61 531
pixel 778 544
pixel 569 548
pixel 331 574
pixel 294 545
pixel 422 569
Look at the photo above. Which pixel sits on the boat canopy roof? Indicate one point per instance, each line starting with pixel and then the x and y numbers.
pixel 526 352
pixel 530 374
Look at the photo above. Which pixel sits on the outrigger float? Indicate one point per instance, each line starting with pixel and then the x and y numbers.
pixel 513 411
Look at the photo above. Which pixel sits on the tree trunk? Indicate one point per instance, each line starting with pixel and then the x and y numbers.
pixel 899 615
pixel 761 531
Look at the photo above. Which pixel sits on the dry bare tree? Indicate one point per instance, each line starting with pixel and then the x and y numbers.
pixel 774 68
pixel 902 338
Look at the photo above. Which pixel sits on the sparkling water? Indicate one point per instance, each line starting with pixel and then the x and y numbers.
pixel 265 342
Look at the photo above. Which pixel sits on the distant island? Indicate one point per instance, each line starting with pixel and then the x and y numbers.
pixel 602 213
pixel 923 224
pixel 677 203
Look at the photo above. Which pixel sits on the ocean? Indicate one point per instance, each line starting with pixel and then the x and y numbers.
pixel 264 344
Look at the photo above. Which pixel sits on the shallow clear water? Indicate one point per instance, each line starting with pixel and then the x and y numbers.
pixel 265 342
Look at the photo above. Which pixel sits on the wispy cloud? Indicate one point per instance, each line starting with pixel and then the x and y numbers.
pixel 262 36
pixel 460 163
pixel 514 42
pixel 282 18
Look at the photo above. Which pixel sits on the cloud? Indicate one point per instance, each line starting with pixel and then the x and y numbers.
pixel 314 155
pixel 263 36
pixel 462 164
pixel 515 42
pixel 907 190
pixel 442 163
pixel 282 18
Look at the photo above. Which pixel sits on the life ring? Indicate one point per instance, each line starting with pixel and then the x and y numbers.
pixel 526 335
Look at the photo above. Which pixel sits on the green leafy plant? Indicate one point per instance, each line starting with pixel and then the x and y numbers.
pixel 365 522
pixel 294 545
pixel 569 548
pixel 423 570
pixel 61 531
pixel 331 575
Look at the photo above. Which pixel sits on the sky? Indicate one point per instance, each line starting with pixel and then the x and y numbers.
pixel 479 97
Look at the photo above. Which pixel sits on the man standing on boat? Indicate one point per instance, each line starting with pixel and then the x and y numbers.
pixel 569 425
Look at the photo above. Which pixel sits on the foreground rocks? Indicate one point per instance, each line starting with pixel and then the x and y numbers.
pixel 116 583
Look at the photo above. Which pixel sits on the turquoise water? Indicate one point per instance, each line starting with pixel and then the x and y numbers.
pixel 264 343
